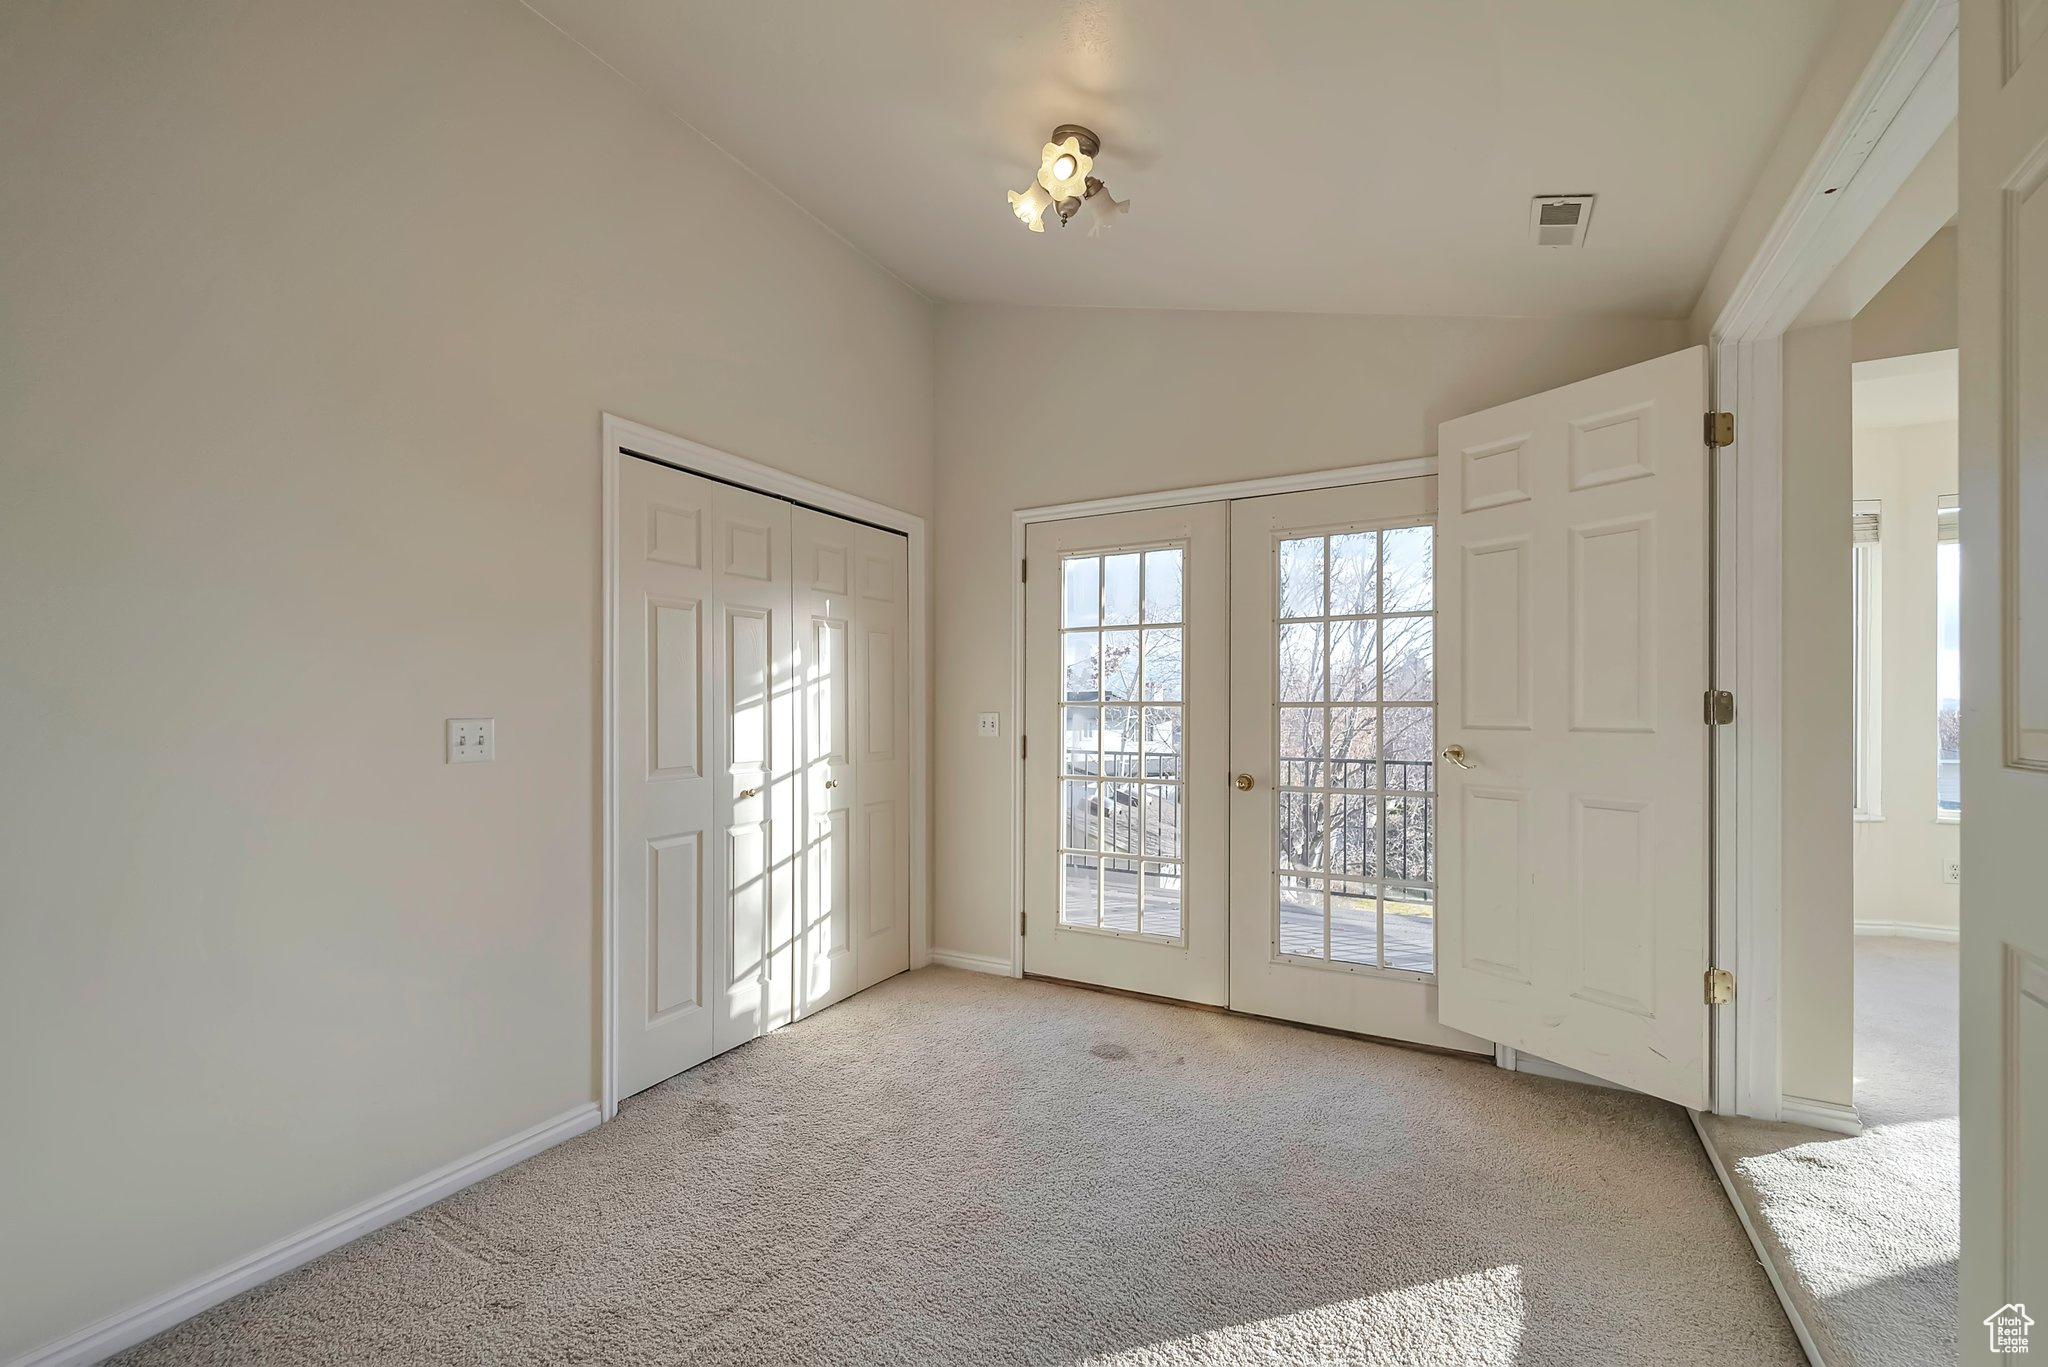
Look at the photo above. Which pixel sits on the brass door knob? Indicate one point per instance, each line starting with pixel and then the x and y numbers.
pixel 831 783
pixel 746 793
pixel 1244 783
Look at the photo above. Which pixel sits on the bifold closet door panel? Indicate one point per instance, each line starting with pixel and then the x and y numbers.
pixel 827 637
pixel 668 853
pixel 882 757
pixel 756 793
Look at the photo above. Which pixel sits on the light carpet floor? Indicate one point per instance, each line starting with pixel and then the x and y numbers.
pixel 1865 1229
pixel 955 1168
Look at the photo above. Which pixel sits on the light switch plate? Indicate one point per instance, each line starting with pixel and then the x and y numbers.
pixel 991 724
pixel 472 740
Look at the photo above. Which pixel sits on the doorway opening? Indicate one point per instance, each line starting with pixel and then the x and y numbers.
pixel 1906 606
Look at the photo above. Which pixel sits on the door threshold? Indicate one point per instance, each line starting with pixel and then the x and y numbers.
pixel 1254 1016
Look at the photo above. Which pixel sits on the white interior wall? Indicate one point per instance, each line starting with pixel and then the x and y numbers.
pixel 1816 948
pixel 310 314
pixel 1042 406
pixel 1899 859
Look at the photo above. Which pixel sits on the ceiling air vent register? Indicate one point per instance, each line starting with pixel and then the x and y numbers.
pixel 1560 220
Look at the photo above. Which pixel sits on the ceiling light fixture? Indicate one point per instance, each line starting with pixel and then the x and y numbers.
pixel 1064 184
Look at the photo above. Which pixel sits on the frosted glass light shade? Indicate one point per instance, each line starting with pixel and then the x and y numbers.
pixel 1030 205
pixel 1101 211
pixel 1067 156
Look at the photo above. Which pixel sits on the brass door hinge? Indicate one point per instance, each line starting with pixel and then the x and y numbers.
pixel 1720 987
pixel 1720 429
pixel 1023 747
pixel 1023 921
pixel 1023 571
pixel 1720 707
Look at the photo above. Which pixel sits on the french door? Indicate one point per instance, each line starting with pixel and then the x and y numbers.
pixel 1127 706
pixel 1446 782
pixel 1333 752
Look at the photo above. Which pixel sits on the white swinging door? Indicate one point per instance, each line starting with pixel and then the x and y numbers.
pixel 1572 579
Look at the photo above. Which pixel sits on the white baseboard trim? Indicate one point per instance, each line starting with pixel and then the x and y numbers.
pixel 973 963
pixel 1820 1115
pixel 126 1328
pixel 1907 931
pixel 1514 1060
pixel 1763 1254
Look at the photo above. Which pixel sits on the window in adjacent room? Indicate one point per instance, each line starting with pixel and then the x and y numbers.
pixel 1865 525
pixel 1948 688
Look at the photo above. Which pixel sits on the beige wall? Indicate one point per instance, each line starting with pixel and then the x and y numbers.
pixel 1818 781
pixel 309 314
pixel 1916 311
pixel 1162 401
pixel 1898 860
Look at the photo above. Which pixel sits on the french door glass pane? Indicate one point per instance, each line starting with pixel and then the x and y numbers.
pixel 1161 908
pixel 1354 660
pixel 1162 664
pixel 1081 752
pixel 1354 745
pixel 1119 590
pixel 1410 644
pixel 1162 819
pixel 1079 889
pixel 1301 662
pixel 1354 923
pixel 1080 802
pixel 1301 917
pixel 1121 837
pixel 1303 746
pixel 1082 651
pixel 1161 739
pixel 1411 929
pixel 1409 574
pixel 1163 573
pixel 1354 586
pixel 1356 735
pixel 1120 895
pixel 1081 598
pixel 1120 661
pixel 1301 577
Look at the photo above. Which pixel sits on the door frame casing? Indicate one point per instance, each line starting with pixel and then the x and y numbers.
pixel 620 434
pixel 1908 90
pixel 1022 518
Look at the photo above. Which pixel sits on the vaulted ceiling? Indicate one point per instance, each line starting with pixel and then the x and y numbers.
pixel 1358 156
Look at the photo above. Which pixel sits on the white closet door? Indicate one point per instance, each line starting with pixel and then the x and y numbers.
pixel 1572 579
pixel 828 629
pixel 851 629
pixel 674 799
pixel 1127 680
pixel 880 874
pixel 1333 716
pixel 754 796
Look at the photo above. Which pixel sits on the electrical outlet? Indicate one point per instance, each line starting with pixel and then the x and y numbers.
pixel 991 724
pixel 1951 870
pixel 472 740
